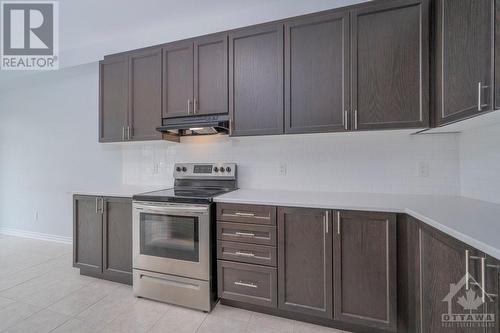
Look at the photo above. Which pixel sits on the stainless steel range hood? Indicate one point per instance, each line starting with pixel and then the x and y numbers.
pixel 174 128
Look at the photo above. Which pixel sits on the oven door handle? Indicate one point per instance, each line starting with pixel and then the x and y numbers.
pixel 172 209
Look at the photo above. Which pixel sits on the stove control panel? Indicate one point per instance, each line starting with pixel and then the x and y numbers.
pixel 205 170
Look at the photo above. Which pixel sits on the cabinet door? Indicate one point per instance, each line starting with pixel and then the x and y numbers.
pixel 256 80
pixel 113 98
pixel 145 95
pixel 365 285
pixel 305 261
pixel 117 239
pixel 442 277
pixel 87 234
pixel 210 75
pixel 177 79
pixel 390 74
pixel 317 74
pixel 464 58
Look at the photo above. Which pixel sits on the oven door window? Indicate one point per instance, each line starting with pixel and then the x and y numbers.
pixel 168 236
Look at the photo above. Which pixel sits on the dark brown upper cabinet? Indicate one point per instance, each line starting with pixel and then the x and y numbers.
pixel 390 65
pixel 130 97
pixel 364 265
pixel 317 74
pixel 113 98
pixel 144 95
pixel 210 75
pixel 305 261
pixel 256 80
pixel 178 79
pixel 464 58
pixel 195 76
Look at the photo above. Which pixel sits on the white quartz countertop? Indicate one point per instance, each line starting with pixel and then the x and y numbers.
pixel 474 222
pixel 125 191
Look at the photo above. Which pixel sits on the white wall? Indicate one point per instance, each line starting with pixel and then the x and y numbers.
pixel 48 148
pixel 385 162
pixel 480 163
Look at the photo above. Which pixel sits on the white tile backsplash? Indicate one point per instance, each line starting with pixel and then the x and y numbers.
pixel 480 163
pixel 385 162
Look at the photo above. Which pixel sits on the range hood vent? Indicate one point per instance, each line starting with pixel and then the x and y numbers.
pixel 174 128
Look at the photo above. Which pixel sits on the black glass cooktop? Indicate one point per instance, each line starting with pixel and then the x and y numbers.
pixel 182 195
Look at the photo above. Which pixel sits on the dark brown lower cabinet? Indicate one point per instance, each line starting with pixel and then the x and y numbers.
pixel 87 234
pixel 444 262
pixel 305 261
pixel 102 237
pixel 364 265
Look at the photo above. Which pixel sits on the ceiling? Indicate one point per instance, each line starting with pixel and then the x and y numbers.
pixel 89 29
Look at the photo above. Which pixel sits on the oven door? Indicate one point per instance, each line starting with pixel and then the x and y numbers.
pixel 172 239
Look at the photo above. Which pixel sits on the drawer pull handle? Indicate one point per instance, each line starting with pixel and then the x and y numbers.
pixel 244 214
pixel 243 284
pixel 244 234
pixel 244 254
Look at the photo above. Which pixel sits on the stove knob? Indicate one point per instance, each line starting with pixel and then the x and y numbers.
pixel 216 169
pixel 178 169
pixel 228 169
pixel 222 169
pixel 184 169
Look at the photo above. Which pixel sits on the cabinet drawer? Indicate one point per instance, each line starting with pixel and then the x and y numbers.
pixel 246 233
pixel 249 253
pixel 246 213
pixel 247 283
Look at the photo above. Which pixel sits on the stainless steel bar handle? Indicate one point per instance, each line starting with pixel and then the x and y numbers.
pixel 356 119
pixel 102 205
pixel 338 222
pixel 244 234
pixel 346 120
pixel 195 106
pixel 249 285
pixel 244 214
pixel 467 270
pixel 326 222
pixel 189 106
pixel 97 205
pixel 480 88
pixel 244 254
pixel 230 126
pixel 129 131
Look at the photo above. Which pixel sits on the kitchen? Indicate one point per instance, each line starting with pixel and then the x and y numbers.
pixel 319 166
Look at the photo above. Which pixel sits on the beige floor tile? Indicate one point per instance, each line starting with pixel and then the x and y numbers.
pixel 300 327
pixel 214 324
pixel 41 322
pixel 231 312
pixel 179 320
pixel 79 301
pixel 141 317
pixel 5 302
pixel 15 313
pixel 262 323
pixel 75 326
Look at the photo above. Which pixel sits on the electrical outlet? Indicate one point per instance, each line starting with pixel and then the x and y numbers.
pixel 282 169
pixel 423 169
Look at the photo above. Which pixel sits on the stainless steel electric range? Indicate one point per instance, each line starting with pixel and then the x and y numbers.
pixel 174 236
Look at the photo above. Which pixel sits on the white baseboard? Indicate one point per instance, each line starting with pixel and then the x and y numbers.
pixel 36 235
